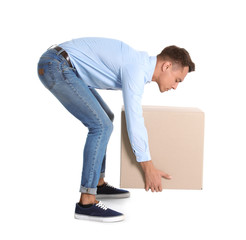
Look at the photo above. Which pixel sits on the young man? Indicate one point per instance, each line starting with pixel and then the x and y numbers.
pixel 73 70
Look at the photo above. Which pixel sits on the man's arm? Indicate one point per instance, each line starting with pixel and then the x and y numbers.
pixel 132 88
pixel 132 91
pixel 153 176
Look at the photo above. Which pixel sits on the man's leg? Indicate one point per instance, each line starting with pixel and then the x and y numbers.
pixel 104 189
pixel 111 117
pixel 77 98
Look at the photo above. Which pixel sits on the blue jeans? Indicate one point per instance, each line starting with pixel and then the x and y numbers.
pixel 87 106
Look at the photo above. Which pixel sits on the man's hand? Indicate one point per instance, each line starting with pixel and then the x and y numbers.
pixel 153 176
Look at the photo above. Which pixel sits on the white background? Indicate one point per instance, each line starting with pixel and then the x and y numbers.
pixel 42 144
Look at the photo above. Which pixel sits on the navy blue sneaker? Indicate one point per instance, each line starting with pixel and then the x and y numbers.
pixel 108 191
pixel 97 212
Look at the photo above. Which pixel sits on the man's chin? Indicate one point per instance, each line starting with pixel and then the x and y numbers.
pixel 163 90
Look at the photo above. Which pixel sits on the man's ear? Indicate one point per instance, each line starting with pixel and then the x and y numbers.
pixel 166 65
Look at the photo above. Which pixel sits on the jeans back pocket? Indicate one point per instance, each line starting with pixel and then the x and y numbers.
pixel 47 71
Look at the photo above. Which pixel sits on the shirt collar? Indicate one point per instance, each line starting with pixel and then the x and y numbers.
pixel 152 64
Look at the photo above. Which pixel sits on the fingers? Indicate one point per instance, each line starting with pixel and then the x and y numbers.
pixel 154 188
pixel 165 175
pixel 153 180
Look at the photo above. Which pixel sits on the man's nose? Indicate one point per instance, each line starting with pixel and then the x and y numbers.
pixel 175 85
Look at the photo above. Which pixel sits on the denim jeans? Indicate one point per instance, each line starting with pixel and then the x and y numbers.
pixel 86 105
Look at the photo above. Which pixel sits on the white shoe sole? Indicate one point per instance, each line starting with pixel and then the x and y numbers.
pixel 99 219
pixel 112 196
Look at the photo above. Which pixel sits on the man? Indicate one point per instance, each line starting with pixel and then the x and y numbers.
pixel 73 70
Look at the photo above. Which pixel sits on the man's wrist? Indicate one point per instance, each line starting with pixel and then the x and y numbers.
pixel 146 165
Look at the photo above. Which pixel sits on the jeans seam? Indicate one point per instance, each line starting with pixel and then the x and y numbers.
pixel 94 158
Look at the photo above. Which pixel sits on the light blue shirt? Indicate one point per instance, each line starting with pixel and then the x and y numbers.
pixel 111 64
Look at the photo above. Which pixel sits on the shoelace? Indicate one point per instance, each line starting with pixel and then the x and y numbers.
pixel 101 205
pixel 110 186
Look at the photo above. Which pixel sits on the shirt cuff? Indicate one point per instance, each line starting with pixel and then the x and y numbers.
pixel 143 157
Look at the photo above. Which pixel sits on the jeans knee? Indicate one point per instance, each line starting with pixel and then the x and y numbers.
pixel 103 127
pixel 108 127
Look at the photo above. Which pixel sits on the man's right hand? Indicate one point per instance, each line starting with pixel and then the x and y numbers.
pixel 153 176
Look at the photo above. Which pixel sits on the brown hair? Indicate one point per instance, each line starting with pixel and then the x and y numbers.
pixel 177 55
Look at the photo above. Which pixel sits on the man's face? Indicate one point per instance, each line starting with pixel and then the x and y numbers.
pixel 171 76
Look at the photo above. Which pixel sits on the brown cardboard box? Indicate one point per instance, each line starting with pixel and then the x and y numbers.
pixel 176 137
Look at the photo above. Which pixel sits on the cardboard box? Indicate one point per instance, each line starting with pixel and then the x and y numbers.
pixel 176 139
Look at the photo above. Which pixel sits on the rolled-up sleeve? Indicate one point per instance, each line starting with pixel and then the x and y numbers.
pixel 132 78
